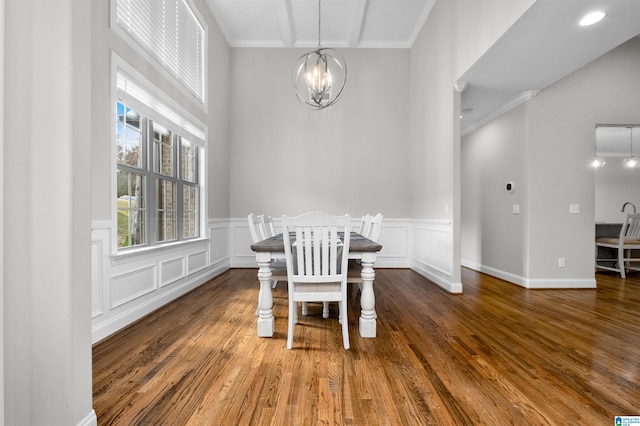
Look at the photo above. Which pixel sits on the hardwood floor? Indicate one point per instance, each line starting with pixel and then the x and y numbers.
pixel 498 354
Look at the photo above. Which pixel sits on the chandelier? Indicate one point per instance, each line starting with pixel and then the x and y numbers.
pixel 597 161
pixel 319 76
pixel 631 162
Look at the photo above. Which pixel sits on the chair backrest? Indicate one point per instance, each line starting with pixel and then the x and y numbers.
pixel 631 228
pixel 375 227
pixel 269 229
pixel 317 247
pixel 365 224
pixel 257 227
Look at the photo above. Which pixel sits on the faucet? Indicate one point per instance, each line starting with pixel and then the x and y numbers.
pixel 631 204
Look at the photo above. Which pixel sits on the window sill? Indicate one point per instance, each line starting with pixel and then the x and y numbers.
pixel 157 249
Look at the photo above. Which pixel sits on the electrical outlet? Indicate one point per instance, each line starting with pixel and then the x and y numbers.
pixel 562 262
pixel 574 208
pixel 516 209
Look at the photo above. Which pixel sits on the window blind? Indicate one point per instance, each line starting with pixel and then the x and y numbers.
pixel 171 33
pixel 146 101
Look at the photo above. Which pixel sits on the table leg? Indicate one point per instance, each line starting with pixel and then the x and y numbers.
pixel 367 299
pixel 265 300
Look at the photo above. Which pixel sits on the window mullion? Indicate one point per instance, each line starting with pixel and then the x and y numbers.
pixel 152 186
pixel 177 151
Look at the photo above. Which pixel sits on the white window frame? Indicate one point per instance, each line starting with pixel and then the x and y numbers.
pixel 154 58
pixel 150 101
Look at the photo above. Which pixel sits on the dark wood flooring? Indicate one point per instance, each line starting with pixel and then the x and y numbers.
pixel 498 354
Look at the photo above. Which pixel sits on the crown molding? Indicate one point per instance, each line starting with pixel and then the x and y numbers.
pixel 507 106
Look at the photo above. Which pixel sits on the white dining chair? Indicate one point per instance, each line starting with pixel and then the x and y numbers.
pixel 624 246
pixel 365 223
pixel 269 228
pixel 317 258
pixel 375 227
pixel 258 229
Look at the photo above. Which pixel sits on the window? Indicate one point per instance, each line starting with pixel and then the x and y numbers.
pixel 172 33
pixel 158 169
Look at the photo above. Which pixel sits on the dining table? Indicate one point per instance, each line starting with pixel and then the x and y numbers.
pixel 360 248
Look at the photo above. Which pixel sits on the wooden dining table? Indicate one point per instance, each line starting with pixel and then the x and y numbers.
pixel 360 248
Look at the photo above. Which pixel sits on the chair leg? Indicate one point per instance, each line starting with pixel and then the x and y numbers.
pixel 325 310
pixel 345 323
pixel 621 264
pixel 305 309
pixel 293 308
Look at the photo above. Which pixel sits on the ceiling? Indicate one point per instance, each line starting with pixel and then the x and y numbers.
pixel 344 23
pixel 543 46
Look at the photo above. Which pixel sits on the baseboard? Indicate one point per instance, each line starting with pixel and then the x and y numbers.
pixel 544 283
pixel 90 420
pixel 561 283
pixel 437 278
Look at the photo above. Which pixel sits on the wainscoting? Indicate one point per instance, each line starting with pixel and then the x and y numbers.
pixel 425 246
pixel 126 287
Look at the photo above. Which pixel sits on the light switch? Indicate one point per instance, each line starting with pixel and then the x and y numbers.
pixel 516 209
pixel 574 208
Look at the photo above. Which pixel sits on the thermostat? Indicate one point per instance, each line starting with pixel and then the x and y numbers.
pixel 510 186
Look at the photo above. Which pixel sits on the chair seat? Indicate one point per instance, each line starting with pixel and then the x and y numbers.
pixel 354 273
pixel 616 241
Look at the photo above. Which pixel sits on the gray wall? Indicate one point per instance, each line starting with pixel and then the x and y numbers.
pixel 491 157
pixel 351 157
pixel 558 132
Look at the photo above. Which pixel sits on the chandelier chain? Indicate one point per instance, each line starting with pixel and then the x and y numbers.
pixel 319 17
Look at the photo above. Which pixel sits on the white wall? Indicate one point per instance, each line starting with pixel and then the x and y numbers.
pixel 493 237
pixel 351 157
pixel 47 348
pixel 559 136
pixel 452 39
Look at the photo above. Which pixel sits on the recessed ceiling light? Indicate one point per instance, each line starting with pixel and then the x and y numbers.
pixel 592 18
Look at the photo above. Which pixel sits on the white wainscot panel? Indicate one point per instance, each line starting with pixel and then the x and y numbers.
pixel 196 261
pixel 243 242
pixel 129 286
pixel 96 278
pixel 171 270
pixel 219 244
pixel 393 238
pixel 432 246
